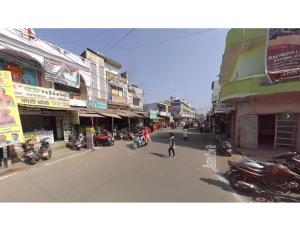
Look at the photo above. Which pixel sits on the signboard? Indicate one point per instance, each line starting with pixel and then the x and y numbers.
pixel 38 135
pixel 75 117
pixel 77 102
pixel 66 136
pixel 10 124
pixel 89 137
pixel 39 96
pixel 176 103
pixel 283 54
pixel 224 107
pixel 96 104
pixel 153 114
pixel 61 73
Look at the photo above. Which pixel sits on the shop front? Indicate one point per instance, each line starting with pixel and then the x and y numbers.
pixel 269 122
pixel 43 110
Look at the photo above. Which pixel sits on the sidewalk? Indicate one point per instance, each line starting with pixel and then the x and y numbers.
pixel 59 151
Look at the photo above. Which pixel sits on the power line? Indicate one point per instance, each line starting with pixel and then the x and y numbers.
pixel 120 40
pixel 170 39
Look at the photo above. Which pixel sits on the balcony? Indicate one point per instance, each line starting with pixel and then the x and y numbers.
pixel 255 85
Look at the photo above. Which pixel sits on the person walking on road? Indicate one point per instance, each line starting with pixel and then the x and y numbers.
pixel 172 145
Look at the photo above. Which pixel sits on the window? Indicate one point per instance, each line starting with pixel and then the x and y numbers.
pixel 136 101
pixel 117 91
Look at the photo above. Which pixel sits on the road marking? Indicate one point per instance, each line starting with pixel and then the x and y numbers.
pixel 7 176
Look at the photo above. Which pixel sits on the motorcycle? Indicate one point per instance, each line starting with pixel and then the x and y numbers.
pixel 29 154
pixel 103 138
pixel 290 160
pixel 138 141
pixel 267 178
pixel 76 144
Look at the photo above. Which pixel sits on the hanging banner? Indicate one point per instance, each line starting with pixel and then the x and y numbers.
pixel 10 124
pixel 283 54
pixel 61 73
pixel 39 96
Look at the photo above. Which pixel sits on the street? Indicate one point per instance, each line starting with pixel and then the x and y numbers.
pixel 120 174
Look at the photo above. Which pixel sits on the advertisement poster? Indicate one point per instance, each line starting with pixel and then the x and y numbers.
pixel 38 135
pixel 10 124
pixel 283 54
pixel 20 73
pixel 39 96
pixel 61 73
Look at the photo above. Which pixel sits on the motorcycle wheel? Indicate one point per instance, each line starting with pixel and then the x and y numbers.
pixel 134 146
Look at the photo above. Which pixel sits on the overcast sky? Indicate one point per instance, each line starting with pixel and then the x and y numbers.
pixel 164 62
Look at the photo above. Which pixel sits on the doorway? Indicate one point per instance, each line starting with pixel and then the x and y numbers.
pixel 266 130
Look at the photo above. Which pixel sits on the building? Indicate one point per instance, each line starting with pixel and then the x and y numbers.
pixel 181 109
pixel 260 81
pixel 159 112
pixel 135 98
pixel 46 80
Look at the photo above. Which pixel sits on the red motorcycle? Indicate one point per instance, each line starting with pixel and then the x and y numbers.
pixel 103 138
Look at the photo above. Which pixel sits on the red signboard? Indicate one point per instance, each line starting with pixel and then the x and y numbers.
pixel 283 54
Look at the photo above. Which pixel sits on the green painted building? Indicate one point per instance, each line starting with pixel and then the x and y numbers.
pixel 266 115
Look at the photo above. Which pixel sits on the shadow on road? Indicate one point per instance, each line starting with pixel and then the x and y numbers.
pixel 158 154
pixel 195 140
pixel 217 183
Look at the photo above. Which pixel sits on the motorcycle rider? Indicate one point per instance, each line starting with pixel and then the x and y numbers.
pixel 146 135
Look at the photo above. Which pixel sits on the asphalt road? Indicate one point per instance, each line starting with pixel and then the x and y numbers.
pixel 120 174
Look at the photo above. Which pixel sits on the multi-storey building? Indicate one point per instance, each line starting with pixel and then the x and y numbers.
pixel 181 109
pixel 258 75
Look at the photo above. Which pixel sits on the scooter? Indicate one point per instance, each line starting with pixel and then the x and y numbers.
pixel 138 141
pixel 185 135
pixel 223 146
pixel 44 152
pixel 29 154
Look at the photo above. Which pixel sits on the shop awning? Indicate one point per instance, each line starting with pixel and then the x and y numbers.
pixel 110 115
pixel 136 115
pixel 124 114
pixel 89 115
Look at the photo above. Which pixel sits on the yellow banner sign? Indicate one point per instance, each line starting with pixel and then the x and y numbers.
pixel 39 96
pixel 10 124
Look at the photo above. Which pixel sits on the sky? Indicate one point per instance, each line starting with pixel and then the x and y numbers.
pixel 163 62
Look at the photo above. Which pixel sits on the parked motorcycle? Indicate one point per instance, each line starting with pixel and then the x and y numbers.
pixel 76 143
pixel 268 178
pixel 290 160
pixel 103 138
pixel 138 141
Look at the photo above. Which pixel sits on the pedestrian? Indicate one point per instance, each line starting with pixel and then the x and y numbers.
pixel 172 144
